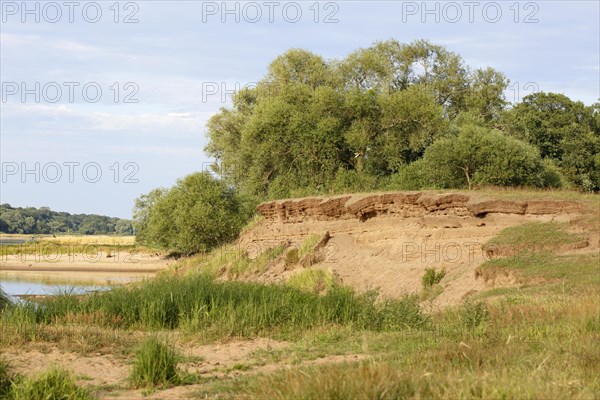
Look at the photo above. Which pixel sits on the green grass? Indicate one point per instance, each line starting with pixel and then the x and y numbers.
pixel 312 280
pixel 230 259
pixel 155 364
pixel 432 277
pixel 55 384
pixel 7 377
pixel 308 245
pixel 213 308
pixel 536 234
pixel 564 272
pixel 242 264
pixel 4 300
pixel 538 347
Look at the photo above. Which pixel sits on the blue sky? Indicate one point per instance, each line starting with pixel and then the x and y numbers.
pixel 179 56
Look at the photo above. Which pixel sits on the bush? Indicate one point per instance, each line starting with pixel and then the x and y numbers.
pixel 432 277
pixel 199 213
pixel 481 156
pixel 411 177
pixel 155 364
pixel 54 384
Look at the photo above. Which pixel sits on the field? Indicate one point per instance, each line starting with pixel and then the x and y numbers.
pixel 282 321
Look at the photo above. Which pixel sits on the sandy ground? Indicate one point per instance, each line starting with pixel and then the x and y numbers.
pixel 210 361
pixel 96 268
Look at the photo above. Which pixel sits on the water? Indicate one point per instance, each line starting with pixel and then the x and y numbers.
pixel 12 242
pixel 29 287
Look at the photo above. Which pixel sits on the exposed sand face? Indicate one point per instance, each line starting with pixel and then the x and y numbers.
pixel 386 241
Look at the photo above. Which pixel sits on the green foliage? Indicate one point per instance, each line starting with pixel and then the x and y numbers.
pixel 56 384
pixel 292 257
pixel 4 300
pixel 486 98
pixel 431 277
pixel 34 221
pixel 320 126
pixel 564 131
pixel 480 156
pixel 155 364
pixel 222 309
pixel 473 314
pixel 312 280
pixel 535 235
pixel 199 213
pixel 7 377
pixel 352 181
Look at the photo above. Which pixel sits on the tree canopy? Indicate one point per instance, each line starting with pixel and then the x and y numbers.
pixel 197 214
pixel 311 125
pixel 42 220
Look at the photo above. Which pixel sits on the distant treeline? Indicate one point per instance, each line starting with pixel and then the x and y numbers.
pixel 42 220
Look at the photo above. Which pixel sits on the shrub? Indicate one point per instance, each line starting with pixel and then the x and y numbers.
pixel 351 181
pixel 403 313
pixel 474 314
pixel 199 213
pixel 292 257
pixel 481 156
pixel 54 384
pixel 155 364
pixel 432 277
pixel 411 177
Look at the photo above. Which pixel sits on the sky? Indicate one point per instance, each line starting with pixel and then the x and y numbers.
pixel 104 101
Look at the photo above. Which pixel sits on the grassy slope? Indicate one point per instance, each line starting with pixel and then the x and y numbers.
pixel 540 339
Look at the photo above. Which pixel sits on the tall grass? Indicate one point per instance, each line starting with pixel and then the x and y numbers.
pixel 4 300
pixel 155 364
pixel 6 378
pixel 56 384
pixel 199 303
pixel 312 280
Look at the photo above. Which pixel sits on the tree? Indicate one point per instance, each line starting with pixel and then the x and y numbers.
pixel 486 95
pixel 564 131
pixel 123 227
pixel 312 126
pixel 197 214
pixel 481 156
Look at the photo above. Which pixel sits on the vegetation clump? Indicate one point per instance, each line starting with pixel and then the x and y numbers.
pixel 155 364
pixel 7 377
pixel 55 384
pixel 196 215
pixel 223 309
pixel 432 277
pixel 4 300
